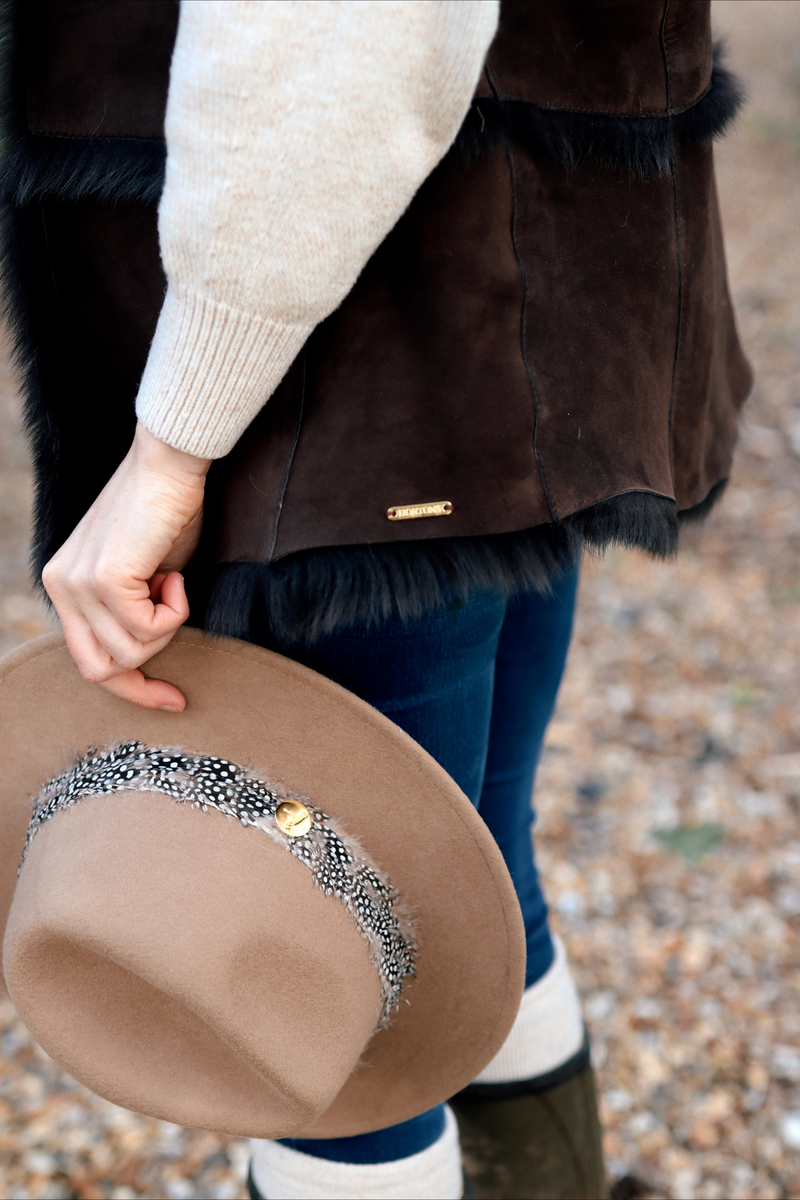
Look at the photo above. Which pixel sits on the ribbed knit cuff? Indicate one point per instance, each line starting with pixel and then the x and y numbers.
pixel 210 370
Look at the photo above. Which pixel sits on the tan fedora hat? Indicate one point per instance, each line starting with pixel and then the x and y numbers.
pixel 350 956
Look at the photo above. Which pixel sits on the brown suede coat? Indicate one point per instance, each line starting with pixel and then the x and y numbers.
pixel 546 329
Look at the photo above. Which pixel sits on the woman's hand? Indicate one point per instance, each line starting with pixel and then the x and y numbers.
pixel 116 582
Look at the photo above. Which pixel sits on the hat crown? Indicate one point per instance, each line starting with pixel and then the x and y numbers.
pixel 266 994
pixel 184 965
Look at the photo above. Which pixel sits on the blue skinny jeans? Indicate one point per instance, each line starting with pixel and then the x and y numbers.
pixel 475 684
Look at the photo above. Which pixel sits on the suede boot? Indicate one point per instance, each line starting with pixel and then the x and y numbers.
pixel 534 1140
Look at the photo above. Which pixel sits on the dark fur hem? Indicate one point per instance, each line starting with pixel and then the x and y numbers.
pixel 41 167
pixel 51 392
pixel 24 309
pixel 640 145
pixel 700 511
pixel 311 594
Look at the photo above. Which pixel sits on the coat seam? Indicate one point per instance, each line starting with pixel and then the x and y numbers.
pixel 678 251
pixel 665 54
pixel 643 114
pixel 522 338
pixel 289 463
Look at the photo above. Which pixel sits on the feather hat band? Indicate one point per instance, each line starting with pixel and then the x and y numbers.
pixel 270 914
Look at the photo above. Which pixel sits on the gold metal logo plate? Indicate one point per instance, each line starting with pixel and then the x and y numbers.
pixel 412 512
pixel 293 818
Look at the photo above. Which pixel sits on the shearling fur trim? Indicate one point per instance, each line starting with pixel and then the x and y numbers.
pixel 636 520
pixel 39 167
pixel 72 459
pixel 712 116
pixel 640 145
pixel 311 594
pixel 700 511
pixel 27 311
pixel 307 595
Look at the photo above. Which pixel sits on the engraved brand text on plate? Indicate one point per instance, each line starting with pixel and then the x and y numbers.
pixel 410 512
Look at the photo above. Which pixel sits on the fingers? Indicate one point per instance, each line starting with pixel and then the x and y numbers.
pixel 128 629
pixel 147 693
pixel 97 665
pixel 149 513
pixel 173 596
pixel 155 586
pixel 140 615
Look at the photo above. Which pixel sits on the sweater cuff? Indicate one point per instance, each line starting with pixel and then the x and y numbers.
pixel 209 371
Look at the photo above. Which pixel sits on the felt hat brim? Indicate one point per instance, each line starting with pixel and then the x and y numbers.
pixel 180 892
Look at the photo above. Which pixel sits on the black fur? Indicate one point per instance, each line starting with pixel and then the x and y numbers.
pixel 26 308
pixel 313 593
pixel 307 595
pixel 640 145
pixel 722 103
pixel 700 511
pixel 38 167
pixel 636 520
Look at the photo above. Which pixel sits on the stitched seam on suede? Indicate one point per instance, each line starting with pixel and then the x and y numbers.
pixel 665 55
pixel 611 112
pixel 645 113
pixel 678 339
pixel 678 262
pixel 633 491
pixel 492 83
pixel 523 314
pixel 289 462
pixel 640 146
pixel 94 141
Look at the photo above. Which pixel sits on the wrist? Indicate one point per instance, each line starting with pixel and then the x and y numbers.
pixel 151 454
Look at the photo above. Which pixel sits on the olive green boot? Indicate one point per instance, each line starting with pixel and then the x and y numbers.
pixel 537 1140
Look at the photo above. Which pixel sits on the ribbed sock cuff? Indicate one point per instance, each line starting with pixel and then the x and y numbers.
pixel 281 1173
pixel 548 1030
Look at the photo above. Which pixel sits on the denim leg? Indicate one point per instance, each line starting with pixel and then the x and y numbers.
pixel 531 656
pixel 433 677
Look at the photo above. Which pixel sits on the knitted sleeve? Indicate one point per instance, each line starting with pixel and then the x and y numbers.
pixel 297 134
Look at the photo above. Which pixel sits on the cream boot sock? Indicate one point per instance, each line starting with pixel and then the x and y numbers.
pixel 548 1030
pixel 281 1173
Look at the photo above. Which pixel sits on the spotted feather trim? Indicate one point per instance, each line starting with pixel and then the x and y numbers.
pixel 337 862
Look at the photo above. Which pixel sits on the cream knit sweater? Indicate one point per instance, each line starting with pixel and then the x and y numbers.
pixel 297 134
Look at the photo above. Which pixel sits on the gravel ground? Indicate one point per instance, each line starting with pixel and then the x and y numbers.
pixel 669 792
